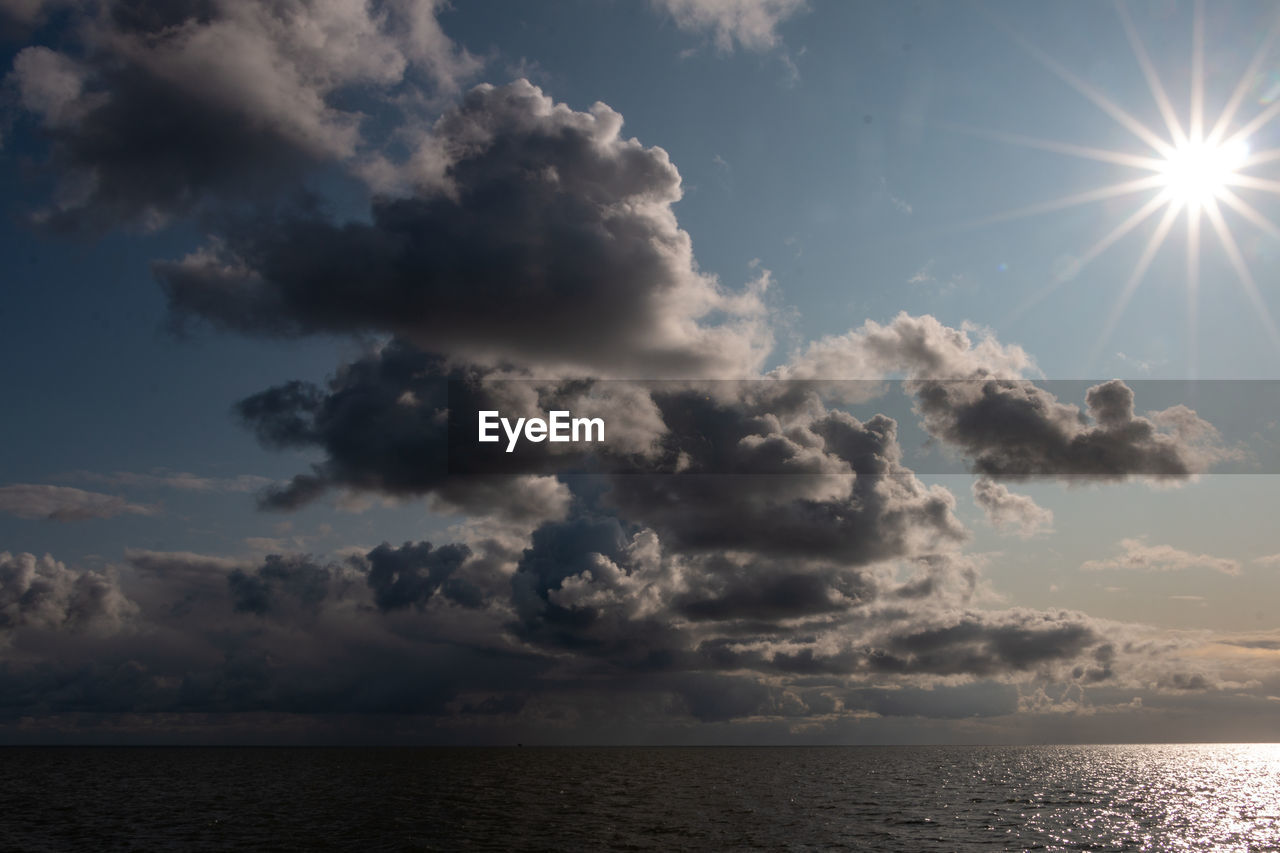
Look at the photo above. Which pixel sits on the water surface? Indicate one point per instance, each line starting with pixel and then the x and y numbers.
pixel 1198 797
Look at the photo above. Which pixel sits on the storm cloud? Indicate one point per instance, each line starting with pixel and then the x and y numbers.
pixel 1016 429
pixel 549 242
pixel 152 107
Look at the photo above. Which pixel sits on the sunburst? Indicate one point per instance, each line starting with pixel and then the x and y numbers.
pixel 1191 172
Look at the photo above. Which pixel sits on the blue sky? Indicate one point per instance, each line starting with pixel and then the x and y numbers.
pixel 174 177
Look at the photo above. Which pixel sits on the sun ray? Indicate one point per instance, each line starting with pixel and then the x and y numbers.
pixel 1196 131
pixel 1153 80
pixel 1250 286
pixel 1255 124
pixel 1135 278
pixel 1099 100
pixel 1257 158
pixel 1142 214
pixel 1253 183
pixel 1098 194
pixel 1249 212
pixel 1193 288
pixel 1102 155
pixel 1137 218
pixel 1195 173
pixel 1242 87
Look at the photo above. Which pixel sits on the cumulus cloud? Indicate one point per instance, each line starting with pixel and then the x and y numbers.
pixel 974 397
pixel 554 247
pixel 809 482
pixel 42 592
pixel 383 423
pixel 1011 512
pixel 152 106
pixel 414 572
pixel 280 578
pixel 1138 555
pixel 912 347
pixel 63 503
pixel 593 607
pixel 750 24
pixel 1016 429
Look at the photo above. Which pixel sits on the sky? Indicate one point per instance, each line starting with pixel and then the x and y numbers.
pixel 936 345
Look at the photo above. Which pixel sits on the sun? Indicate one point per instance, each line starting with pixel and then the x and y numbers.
pixel 1193 171
pixel 1196 173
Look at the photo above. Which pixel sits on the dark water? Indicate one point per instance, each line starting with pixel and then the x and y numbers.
pixel 1218 798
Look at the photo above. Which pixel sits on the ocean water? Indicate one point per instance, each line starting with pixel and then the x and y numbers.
pixel 1160 798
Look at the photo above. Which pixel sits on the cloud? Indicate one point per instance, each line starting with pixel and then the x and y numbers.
pixel 554 246
pixel 972 397
pixel 592 619
pixel 750 24
pixel 761 554
pixel 24 11
pixel 914 347
pixel 414 572
pixel 924 275
pixel 183 481
pixel 42 592
pixel 63 503
pixel 1012 512
pixel 1139 556
pixel 1016 429
pixel 757 475
pixel 280 578
pixel 18 17
pixel 383 424
pixel 152 106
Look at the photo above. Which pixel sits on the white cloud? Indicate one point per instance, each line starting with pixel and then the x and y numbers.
pixel 750 24
pixel 1137 555
pixel 1010 512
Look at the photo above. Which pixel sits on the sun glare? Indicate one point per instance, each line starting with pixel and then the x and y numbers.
pixel 1196 171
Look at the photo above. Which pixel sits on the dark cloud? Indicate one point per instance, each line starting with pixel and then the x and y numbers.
pixel 559 551
pixel 149 107
pixel 986 644
pixel 722 589
pixel 549 241
pixel 1016 429
pixel 295 577
pixel 1104 657
pixel 744 549
pixel 812 483
pixel 600 612
pixel 383 424
pixel 414 572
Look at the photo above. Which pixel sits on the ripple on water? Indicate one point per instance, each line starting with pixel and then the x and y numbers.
pixel 1130 798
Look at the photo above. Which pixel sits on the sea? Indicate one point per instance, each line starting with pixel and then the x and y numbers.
pixel 915 799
